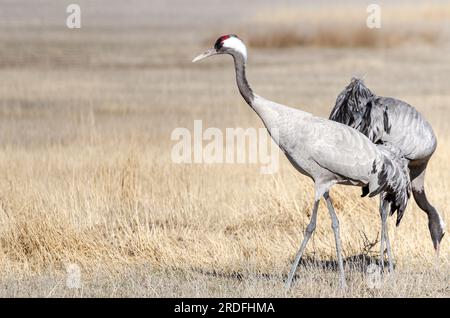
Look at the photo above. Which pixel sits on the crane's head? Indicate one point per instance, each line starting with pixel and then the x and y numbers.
pixel 437 230
pixel 226 44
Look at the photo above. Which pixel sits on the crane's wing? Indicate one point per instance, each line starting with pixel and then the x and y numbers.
pixel 408 129
pixel 342 150
pixel 384 119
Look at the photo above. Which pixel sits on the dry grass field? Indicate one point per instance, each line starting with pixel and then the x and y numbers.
pixel 86 175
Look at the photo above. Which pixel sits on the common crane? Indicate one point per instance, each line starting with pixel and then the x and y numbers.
pixel 326 151
pixel 392 121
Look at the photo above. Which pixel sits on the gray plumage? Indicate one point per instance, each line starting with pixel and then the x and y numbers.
pixel 397 182
pixel 326 151
pixel 394 122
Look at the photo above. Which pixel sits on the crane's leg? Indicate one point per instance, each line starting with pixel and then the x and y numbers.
pixel 384 208
pixel 382 212
pixel 435 223
pixel 308 232
pixel 335 226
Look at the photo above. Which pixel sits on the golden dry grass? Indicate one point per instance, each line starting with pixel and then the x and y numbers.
pixel 86 175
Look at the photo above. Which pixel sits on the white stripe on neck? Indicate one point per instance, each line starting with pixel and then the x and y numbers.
pixel 237 45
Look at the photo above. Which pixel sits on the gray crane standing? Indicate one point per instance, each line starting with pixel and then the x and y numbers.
pixel 326 151
pixel 392 121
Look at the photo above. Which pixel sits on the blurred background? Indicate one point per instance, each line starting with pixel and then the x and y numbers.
pixel 295 47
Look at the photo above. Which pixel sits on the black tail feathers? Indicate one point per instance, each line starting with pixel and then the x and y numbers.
pixel 392 180
pixel 353 105
pixel 357 106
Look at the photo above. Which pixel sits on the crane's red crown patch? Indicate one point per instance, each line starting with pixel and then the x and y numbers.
pixel 220 40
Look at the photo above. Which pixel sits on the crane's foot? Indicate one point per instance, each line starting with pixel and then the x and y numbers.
pixel 342 283
pixel 391 268
pixel 288 283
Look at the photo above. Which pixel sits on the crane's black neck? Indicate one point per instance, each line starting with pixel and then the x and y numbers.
pixel 241 79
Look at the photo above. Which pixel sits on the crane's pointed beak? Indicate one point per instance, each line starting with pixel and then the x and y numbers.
pixel 202 56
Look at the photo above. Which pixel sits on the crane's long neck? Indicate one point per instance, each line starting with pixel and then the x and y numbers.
pixel 271 113
pixel 241 78
pixel 268 111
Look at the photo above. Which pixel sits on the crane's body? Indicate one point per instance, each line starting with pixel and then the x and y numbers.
pixel 326 151
pixel 408 130
pixel 320 148
pixel 392 121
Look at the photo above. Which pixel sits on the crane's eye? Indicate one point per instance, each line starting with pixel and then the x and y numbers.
pixel 218 45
